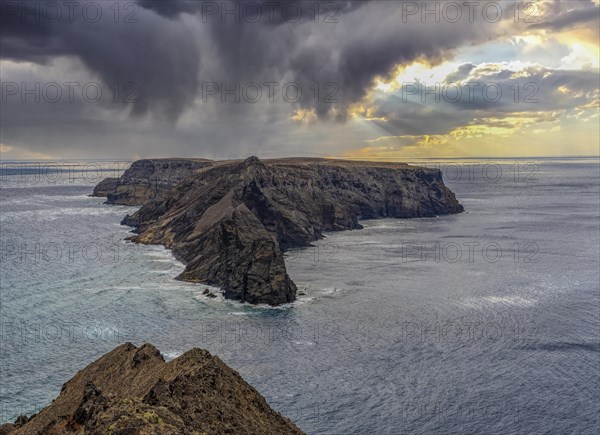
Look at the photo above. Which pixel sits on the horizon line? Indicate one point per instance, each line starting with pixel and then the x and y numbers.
pixel 586 156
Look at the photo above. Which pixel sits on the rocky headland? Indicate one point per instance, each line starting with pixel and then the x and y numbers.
pixel 132 390
pixel 231 221
pixel 105 187
pixel 148 179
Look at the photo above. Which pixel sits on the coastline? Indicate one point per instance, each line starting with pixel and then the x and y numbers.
pixel 230 222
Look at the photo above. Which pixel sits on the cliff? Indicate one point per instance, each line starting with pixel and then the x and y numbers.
pixel 231 221
pixel 132 390
pixel 106 186
pixel 148 180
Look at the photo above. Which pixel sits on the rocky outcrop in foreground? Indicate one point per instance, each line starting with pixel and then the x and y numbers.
pixel 231 221
pixel 132 390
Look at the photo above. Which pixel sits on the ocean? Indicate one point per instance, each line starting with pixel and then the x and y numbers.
pixel 482 322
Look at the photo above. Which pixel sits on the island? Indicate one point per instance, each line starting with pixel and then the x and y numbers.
pixel 230 222
pixel 133 390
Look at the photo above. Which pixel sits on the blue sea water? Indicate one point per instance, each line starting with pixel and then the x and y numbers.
pixel 483 322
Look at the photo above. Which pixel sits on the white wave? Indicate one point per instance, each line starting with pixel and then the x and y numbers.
pixel 198 293
pixel 133 287
pixel 509 300
pixel 329 290
pixel 54 214
pixel 515 301
pixel 161 254
pixel 170 355
pixel 304 342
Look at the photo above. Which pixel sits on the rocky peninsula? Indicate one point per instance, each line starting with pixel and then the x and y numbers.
pixel 132 390
pixel 230 222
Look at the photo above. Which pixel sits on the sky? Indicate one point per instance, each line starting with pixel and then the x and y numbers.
pixel 369 79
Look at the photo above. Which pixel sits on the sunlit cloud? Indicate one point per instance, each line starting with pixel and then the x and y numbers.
pixel 8 152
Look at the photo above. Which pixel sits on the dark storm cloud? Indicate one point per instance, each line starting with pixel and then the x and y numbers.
pixel 367 40
pixel 174 47
pixel 271 11
pixel 137 46
pixel 171 8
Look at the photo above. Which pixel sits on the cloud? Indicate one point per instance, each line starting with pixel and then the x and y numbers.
pixel 154 53
pixel 527 100
pixel 498 87
pixel 579 13
pixel 172 49
pixel 8 153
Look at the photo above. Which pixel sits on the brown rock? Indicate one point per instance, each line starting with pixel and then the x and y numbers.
pixel 132 390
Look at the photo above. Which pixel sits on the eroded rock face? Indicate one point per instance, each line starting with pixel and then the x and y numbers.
pixel 243 257
pixel 133 390
pixel 230 222
pixel 106 186
pixel 147 180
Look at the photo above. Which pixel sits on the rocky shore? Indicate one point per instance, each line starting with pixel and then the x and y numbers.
pixel 231 221
pixel 132 390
